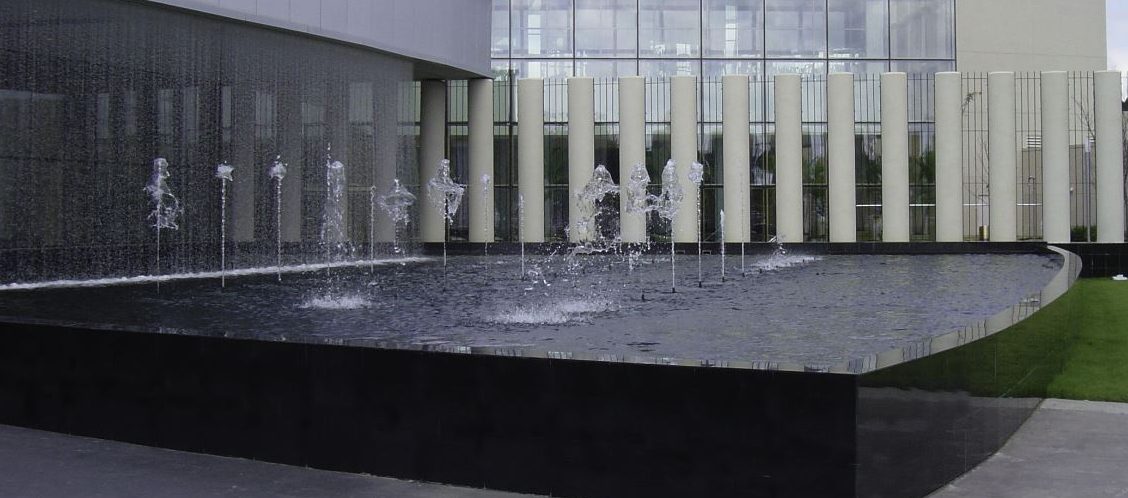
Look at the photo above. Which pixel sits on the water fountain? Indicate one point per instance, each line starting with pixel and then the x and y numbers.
pixel 445 194
pixel 667 208
pixel 166 207
pixel 333 236
pixel 276 172
pixel 485 183
pixel 590 201
pixel 397 203
pixel 640 203
pixel 697 176
pixel 223 173
pixel 722 245
pixel 521 230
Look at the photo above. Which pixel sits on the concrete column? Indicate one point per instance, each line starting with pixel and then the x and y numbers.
pixel 683 146
pixel 481 195
pixel 530 156
pixel 1110 157
pixel 1055 157
pixel 949 157
pixel 894 158
pixel 432 138
pixel 736 117
pixel 581 148
pixel 1002 157
pixel 789 157
pixel 632 151
pixel 840 173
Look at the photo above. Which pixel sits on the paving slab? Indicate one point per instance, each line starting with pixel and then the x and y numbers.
pixel 38 463
pixel 1067 449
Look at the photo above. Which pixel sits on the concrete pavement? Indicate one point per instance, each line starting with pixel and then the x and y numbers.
pixel 1067 449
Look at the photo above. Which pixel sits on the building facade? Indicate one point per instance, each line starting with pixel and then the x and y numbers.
pixel 603 38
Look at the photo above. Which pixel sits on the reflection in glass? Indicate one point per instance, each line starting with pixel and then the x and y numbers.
pixel 867 180
pixel 606 68
pixel 922 28
pixel 665 69
pixel 795 28
pixel 499 29
pixel 606 28
pixel 857 28
pixel 859 67
pixel 541 28
pixel 733 29
pixel 549 69
pixel 669 28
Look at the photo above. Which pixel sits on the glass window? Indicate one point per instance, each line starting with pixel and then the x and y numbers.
pixel 922 28
pixel 858 28
pixel 606 28
pixel 606 68
pixel 550 69
pixel 669 28
pixel 664 69
pixel 796 28
pixel 542 28
pixel 499 22
pixel 923 67
pixel 859 67
pixel 734 30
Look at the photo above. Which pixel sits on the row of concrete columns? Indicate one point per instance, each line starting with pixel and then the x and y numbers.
pixel 949 95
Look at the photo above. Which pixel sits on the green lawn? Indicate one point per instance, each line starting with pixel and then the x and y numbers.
pixel 1096 367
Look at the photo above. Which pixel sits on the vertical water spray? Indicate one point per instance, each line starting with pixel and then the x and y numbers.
pixel 445 194
pixel 640 202
pixel 397 203
pixel 333 214
pixel 697 176
pixel 722 245
pixel 166 207
pixel 667 207
pixel 521 230
pixel 223 173
pixel 371 227
pixel 277 171
pixel 486 184
pixel 589 202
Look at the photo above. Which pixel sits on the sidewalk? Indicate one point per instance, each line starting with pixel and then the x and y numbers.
pixel 1067 449
pixel 38 463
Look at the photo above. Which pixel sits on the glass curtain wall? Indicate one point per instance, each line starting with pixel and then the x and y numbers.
pixel 556 39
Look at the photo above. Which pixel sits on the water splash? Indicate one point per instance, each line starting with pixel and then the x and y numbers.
pixel 667 208
pixel 333 215
pixel 521 229
pixel 697 176
pixel 223 173
pixel 397 203
pixel 779 258
pixel 166 207
pixel 722 245
pixel 553 312
pixel 594 213
pixel 485 183
pixel 277 171
pixel 640 203
pixel 332 302
pixel 446 195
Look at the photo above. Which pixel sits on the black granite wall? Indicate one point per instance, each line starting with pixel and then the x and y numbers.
pixel 559 427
